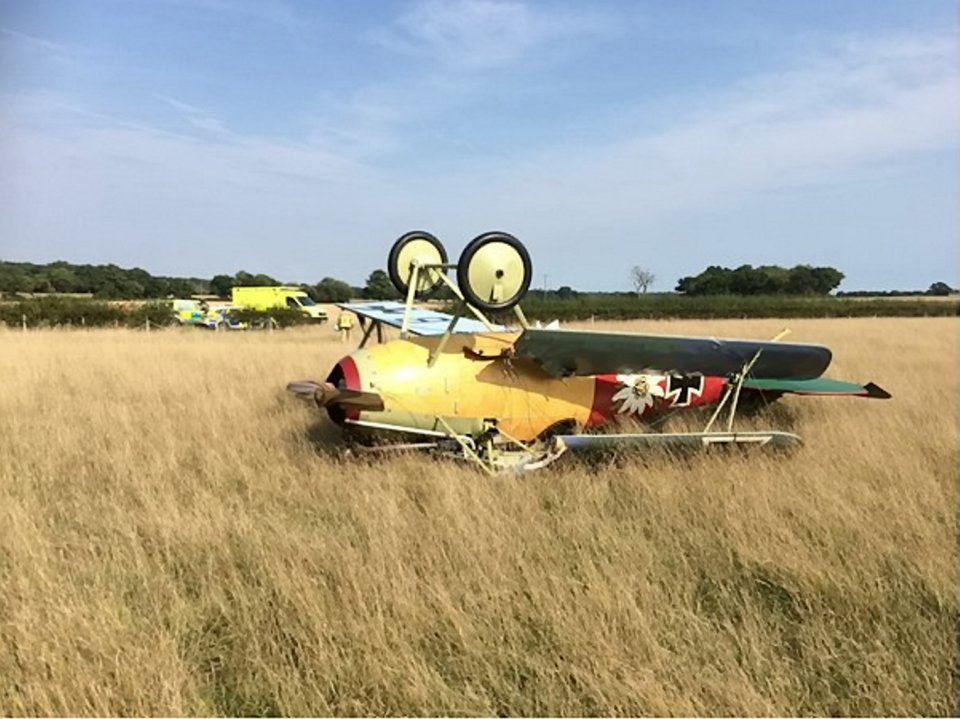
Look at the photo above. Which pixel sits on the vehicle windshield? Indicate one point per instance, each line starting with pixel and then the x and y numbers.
pixel 306 301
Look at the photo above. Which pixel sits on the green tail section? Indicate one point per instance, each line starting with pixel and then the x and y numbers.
pixel 820 385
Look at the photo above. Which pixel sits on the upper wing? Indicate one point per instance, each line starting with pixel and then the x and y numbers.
pixel 563 353
pixel 422 321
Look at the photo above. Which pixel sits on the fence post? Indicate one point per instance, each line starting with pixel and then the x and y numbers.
pixel 147 325
pixel 23 321
pixel 83 321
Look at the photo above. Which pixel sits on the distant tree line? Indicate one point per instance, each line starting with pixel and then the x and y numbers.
pixel 764 280
pixel 328 289
pixel 102 281
pixel 937 289
pixel 221 285
pixel 113 282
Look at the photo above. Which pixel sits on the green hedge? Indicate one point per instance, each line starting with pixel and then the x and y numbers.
pixel 59 311
pixel 655 306
pixel 281 316
pixel 81 312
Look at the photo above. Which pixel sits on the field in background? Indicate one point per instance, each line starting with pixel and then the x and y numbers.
pixel 177 536
pixel 49 311
pixel 905 298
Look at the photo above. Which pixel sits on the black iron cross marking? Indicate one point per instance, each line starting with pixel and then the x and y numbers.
pixel 680 387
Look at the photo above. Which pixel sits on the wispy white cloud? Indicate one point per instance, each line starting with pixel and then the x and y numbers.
pixel 485 34
pixel 33 41
pixel 92 186
pixel 838 115
pixel 860 115
pixel 847 114
pixel 195 116
pixel 462 49
pixel 271 12
pixel 240 157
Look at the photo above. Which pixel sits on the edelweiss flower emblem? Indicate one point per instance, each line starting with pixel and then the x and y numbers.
pixel 638 392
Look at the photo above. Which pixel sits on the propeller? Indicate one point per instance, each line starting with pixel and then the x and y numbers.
pixel 326 394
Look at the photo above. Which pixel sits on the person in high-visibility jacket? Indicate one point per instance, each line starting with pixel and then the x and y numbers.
pixel 344 324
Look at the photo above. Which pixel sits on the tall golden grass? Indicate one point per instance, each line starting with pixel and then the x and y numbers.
pixel 177 536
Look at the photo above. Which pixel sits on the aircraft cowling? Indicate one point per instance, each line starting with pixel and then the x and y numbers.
pixel 345 376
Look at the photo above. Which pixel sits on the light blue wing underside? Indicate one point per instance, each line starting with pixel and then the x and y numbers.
pixel 422 321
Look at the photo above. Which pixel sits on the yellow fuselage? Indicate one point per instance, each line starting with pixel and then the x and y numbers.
pixel 471 381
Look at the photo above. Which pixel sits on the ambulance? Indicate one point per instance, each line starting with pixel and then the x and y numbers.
pixel 265 298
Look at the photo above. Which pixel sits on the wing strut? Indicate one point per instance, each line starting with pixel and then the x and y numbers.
pixel 416 267
pixel 738 385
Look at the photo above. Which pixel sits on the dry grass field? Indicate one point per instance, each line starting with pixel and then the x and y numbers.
pixel 177 536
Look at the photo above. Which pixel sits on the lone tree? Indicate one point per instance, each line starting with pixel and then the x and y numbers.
pixel 940 289
pixel 221 285
pixel 642 278
pixel 332 290
pixel 379 287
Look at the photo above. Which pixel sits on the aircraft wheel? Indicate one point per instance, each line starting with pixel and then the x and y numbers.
pixel 494 271
pixel 426 250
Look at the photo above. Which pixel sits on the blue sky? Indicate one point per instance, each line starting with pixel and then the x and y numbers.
pixel 193 137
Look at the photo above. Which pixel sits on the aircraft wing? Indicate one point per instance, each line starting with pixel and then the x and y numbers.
pixel 422 321
pixel 563 353
pixel 681 440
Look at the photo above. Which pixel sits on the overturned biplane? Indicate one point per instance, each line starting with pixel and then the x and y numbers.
pixel 519 398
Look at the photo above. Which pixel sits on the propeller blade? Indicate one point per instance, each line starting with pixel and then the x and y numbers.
pixel 326 394
pixel 304 388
